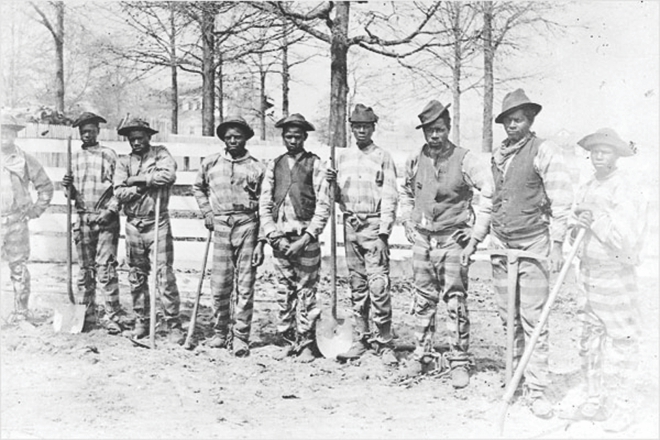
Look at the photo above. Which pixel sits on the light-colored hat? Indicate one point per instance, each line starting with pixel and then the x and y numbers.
pixel 362 113
pixel 88 118
pixel 431 113
pixel 607 136
pixel 234 121
pixel 295 119
pixel 136 124
pixel 516 100
pixel 8 121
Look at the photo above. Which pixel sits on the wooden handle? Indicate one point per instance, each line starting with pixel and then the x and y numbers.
pixel 193 318
pixel 69 238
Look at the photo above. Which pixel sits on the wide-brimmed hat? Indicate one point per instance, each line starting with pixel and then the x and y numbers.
pixel 516 100
pixel 136 124
pixel 295 119
pixel 8 121
pixel 234 121
pixel 88 118
pixel 433 110
pixel 362 113
pixel 607 136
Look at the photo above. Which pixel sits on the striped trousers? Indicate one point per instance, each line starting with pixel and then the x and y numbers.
pixel 234 240
pixel 16 252
pixel 139 249
pixel 369 272
pixel 437 273
pixel 531 295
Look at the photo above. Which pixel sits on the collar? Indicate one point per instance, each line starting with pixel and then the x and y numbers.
pixel 87 147
pixel 367 148
pixel 442 152
pixel 228 157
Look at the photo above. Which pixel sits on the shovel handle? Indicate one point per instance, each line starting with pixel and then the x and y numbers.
pixel 69 234
pixel 333 241
pixel 193 318
pixel 154 276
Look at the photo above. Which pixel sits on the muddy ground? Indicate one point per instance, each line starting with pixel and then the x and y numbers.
pixel 94 385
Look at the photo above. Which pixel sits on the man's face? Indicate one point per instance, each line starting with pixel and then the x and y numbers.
pixel 89 133
pixel 603 158
pixel 516 125
pixel 436 133
pixel 363 132
pixel 234 140
pixel 8 136
pixel 139 141
pixel 294 138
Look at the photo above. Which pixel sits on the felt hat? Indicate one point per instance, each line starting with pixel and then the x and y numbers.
pixel 88 118
pixel 234 121
pixel 8 121
pixel 607 136
pixel 431 113
pixel 362 113
pixel 136 124
pixel 295 119
pixel 516 100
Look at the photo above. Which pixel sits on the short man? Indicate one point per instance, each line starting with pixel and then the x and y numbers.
pixel 227 189
pixel 615 217
pixel 96 233
pixel 19 169
pixel 294 208
pixel 367 195
pixel 532 187
pixel 436 205
pixel 142 176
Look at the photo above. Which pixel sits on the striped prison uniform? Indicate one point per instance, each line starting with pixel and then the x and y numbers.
pixel 298 275
pixel 548 167
pixel 367 195
pixel 229 189
pixel 140 210
pixel 610 312
pixel 93 169
pixel 19 170
pixel 437 270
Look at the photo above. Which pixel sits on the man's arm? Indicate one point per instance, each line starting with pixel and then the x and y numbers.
pixel 124 192
pixel 201 190
pixel 322 191
pixel 42 184
pixel 266 201
pixel 389 196
pixel 406 191
pixel 479 176
pixel 111 158
pixel 164 174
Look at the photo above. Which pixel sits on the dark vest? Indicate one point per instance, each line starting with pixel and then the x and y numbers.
pixel 298 183
pixel 521 207
pixel 442 197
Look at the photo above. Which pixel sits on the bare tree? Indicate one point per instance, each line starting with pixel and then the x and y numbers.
pixel 56 28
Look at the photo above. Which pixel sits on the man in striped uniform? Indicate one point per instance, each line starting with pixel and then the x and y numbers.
pixel 367 195
pixel 615 217
pixel 227 190
pixel 19 170
pixel 294 208
pixel 96 233
pixel 531 206
pixel 148 172
pixel 436 206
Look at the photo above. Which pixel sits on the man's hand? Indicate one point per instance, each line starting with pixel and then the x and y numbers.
pixel 331 175
pixel 410 231
pixel 258 254
pixel 209 221
pixel 467 252
pixel 67 181
pixel 33 212
pixel 105 217
pixel 136 181
pixel 160 179
pixel 556 257
pixel 280 244
pixel 298 245
pixel 585 219
pixel 381 243
pixel 461 236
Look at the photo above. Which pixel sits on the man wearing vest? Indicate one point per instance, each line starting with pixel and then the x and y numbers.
pixel 19 170
pixel 96 233
pixel 531 205
pixel 367 195
pixel 227 190
pixel 436 196
pixel 148 172
pixel 294 208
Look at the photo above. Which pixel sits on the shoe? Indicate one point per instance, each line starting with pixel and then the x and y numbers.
pixel 306 356
pixel 357 349
pixel 619 421
pixel 413 368
pixel 460 378
pixel 112 327
pixel 388 357
pixel 287 342
pixel 592 410
pixel 218 341
pixel 539 404
pixel 141 329
pixel 240 348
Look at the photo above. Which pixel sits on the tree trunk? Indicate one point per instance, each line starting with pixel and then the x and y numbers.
pixel 174 97
pixel 338 75
pixel 59 54
pixel 208 74
pixel 285 76
pixel 489 54
pixel 221 88
pixel 263 104
pixel 456 73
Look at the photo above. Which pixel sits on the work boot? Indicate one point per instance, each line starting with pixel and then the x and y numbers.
pixel 460 378
pixel 306 355
pixel 240 348
pixel 112 327
pixel 387 354
pixel 141 328
pixel 413 368
pixel 358 348
pixel 218 340
pixel 539 404
pixel 287 342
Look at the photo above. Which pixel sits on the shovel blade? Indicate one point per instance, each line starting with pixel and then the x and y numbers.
pixel 69 318
pixel 333 336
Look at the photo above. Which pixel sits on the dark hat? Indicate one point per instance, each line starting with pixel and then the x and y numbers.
pixel 431 113
pixel 88 118
pixel 234 121
pixel 362 113
pixel 295 119
pixel 607 136
pixel 136 124
pixel 10 122
pixel 516 100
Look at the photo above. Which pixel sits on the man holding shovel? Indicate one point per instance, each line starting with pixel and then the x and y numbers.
pixel 97 232
pixel 294 208
pixel 19 169
pixel 531 206
pixel 227 190
pixel 144 175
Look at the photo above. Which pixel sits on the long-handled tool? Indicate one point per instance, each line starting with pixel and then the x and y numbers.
pixel 70 318
pixel 188 345
pixel 154 276
pixel 529 348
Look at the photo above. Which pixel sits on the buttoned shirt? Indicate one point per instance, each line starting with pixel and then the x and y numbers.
pixel 93 169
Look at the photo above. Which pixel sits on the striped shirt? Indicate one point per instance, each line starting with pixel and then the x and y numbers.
pixel 287 221
pixel 225 185
pixel 93 171
pixel 155 162
pixel 366 184
pixel 476 174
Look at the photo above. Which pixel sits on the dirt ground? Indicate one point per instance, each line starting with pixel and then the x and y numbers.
pixel 94 385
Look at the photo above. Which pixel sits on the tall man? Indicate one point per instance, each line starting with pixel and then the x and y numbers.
pixel 19 169
pixel 531 205
pixel 148 172
pixel 96 233
pixel 227 190
pixel 294 208
pixel 367 195
pixel 436 205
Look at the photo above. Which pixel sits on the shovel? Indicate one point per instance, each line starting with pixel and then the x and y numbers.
pixel 188 345
pixel 69 318
pixel 154 277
